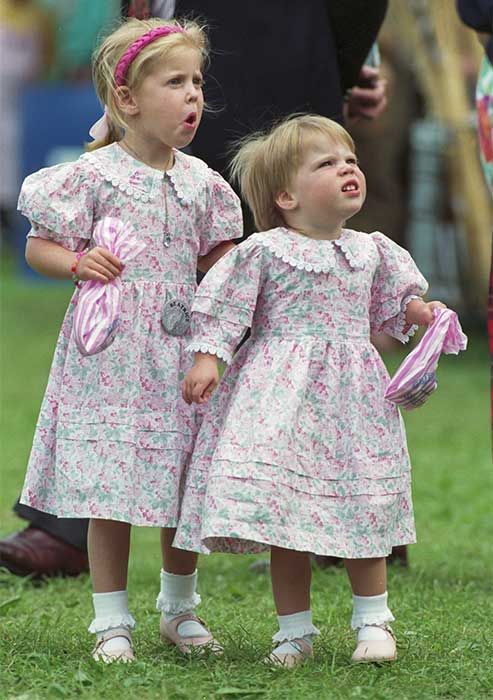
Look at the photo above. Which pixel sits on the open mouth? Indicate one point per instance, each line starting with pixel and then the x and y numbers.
pixel 351 186
pixel 191 119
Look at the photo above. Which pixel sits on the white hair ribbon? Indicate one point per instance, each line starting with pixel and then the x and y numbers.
pixel 100 129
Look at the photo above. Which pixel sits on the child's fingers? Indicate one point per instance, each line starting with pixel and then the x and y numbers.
pixel 430 307
pixel 198 391
pixel 111 259
pixel 186 391
pixel 99 257
pixel 94 268
pixel 208 391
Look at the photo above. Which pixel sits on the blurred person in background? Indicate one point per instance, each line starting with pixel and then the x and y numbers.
pixel 478 14
pixel 260 71
pixel 78 26
pixel 27 52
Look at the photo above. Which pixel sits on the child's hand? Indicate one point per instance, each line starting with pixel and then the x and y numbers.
pixel 201 380
pixel 100 265
pixel 421 313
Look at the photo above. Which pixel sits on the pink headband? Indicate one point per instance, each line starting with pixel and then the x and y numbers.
pixel 137 46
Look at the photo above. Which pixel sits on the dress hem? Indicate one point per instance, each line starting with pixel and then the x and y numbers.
pixel 84 514
pixel 257 546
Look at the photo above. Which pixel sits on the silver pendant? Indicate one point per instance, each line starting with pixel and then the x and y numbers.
pixel 175 317
pixel 167 240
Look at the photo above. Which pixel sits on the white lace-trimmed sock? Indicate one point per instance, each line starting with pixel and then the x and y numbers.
pixel 178 595
pixel 296 626
pixel 111 614
pixel 371 616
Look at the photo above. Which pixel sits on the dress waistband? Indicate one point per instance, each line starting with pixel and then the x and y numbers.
pixel 326 336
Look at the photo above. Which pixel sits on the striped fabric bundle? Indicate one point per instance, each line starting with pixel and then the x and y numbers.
pixel 415 379
pixel 97 311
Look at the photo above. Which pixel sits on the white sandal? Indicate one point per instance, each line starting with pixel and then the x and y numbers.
pixel 125 655
pixel 302 651
pixel 187 645
pixel 376 650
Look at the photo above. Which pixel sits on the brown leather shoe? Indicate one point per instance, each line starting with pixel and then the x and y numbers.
pixel 36 553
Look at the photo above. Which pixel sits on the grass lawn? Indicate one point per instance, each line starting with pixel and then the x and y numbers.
pixel 443 603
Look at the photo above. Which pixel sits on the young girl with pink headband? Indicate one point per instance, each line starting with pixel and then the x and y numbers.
pixel 114 434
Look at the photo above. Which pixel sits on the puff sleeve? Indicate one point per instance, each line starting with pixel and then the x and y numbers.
pixel 59 203
pixel 223 219
pixel 225 301
pixel 396 282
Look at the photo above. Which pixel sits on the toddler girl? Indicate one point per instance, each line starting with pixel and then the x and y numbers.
pixel 299 452
pixel 114 434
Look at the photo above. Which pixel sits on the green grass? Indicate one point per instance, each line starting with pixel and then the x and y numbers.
pixel 443 603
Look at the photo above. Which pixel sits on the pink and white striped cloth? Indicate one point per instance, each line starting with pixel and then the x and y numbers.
pixel 415 378
pixel 97 311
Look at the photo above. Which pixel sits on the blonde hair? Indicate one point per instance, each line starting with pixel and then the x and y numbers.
pixel 107 55
pixel 266 162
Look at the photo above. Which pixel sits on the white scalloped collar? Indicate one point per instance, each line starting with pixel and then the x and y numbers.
pixel 187 176
pixel 314 255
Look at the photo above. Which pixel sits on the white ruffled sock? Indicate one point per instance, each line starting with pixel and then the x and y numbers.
pixel 111 614
pixel 178 595
pixel 296 626
pixel 371 616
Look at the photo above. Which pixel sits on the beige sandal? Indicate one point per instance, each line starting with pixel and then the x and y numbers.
pixel 126 654
pixel 290 659
pixel 170 635
pixel 376 650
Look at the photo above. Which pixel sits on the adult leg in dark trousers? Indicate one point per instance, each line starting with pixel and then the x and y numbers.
pixel 48 546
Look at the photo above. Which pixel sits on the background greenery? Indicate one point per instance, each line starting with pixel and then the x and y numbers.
pixel 442 603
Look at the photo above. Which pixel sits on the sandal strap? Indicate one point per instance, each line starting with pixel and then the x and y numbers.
pixel 303 646
pixel 384 627
pixel 299 643
pixel 186 617
pixel 112 635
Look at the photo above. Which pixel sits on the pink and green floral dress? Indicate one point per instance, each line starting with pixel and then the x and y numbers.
pixel 298 447
pixel 114 435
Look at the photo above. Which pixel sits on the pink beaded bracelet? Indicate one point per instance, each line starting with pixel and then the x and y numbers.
pixel 73 269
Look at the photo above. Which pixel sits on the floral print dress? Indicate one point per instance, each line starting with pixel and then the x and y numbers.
pixel 298 447
pixel 114 435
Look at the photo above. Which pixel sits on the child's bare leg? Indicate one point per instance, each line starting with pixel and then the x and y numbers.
pixel 368 577
pixel 178 598
pixel 371 616
pixel 108 544
pixel 291 576
pixel 176 561
pixel 291 579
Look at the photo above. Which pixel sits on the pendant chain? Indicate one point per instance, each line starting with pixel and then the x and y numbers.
pixel 130 150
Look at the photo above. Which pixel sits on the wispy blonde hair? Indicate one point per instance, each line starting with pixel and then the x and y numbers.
pixel 112 48
pixel 267 161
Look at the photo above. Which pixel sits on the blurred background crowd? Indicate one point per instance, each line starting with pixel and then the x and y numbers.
pixel 425 185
